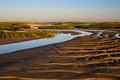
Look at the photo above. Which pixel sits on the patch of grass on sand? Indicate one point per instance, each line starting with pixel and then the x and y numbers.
pixel 25 34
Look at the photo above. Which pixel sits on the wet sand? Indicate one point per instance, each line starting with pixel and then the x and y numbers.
pixel 82 58
pixel 14 40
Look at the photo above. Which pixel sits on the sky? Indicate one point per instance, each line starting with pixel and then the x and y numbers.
pixel 60 10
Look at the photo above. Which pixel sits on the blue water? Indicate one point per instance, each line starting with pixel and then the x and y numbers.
pixel 60 37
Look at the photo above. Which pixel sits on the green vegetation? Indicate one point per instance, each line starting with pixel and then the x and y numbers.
pixel 57 27
pixel 13 26
pixel 87 25
pixel 97 25
pixel 25 34
pixel 1 32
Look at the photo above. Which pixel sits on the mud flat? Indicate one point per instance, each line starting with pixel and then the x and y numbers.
pixel 14 40
pixel 82 58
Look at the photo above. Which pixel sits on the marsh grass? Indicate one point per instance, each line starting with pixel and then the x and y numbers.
pixel 25 34
pixel 88 25
pixel 97 25
pixel 57 27
pixel 13 26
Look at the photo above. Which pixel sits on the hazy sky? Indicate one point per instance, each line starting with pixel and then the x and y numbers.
pixel 59 10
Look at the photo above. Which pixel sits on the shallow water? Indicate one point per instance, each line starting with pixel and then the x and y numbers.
pixel 60 37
